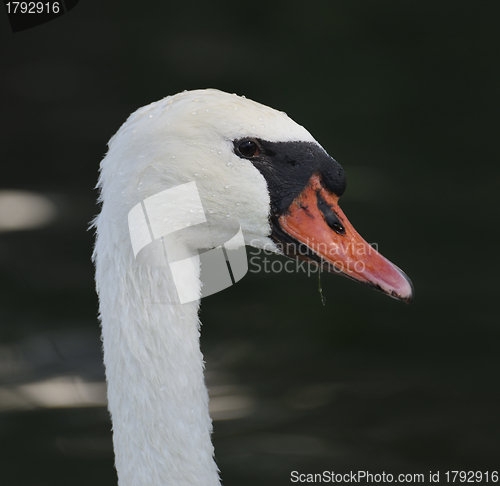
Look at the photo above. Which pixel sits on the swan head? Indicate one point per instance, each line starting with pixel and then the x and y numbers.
pixel 252 165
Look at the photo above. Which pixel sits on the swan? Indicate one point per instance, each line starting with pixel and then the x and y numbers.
pixel 251 164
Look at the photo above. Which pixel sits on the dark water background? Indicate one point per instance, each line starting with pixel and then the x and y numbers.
pixel 405 95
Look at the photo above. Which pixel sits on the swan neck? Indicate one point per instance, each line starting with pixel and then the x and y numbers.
pixel 154 368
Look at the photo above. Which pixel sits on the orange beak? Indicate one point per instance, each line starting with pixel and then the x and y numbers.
pixel 315 220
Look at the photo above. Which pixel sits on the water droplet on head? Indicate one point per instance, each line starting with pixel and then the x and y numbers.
pixel 194 112
pixel 261 119
pixel 227 186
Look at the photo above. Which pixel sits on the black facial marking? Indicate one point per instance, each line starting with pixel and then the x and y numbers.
pixel 288 167
pixel 330 215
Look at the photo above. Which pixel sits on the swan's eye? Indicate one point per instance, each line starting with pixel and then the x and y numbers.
pixel 248 149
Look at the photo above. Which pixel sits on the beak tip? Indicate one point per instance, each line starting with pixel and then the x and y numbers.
pixel 408 300
pixel 407 291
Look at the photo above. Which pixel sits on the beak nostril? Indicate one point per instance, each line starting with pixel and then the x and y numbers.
pixel 331 217
pixel 333 222
pixel 337 227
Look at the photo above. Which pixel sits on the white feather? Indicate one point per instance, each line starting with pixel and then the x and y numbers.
pixel 156 390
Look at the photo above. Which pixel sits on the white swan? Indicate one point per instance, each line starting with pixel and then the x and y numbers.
pixel 251 164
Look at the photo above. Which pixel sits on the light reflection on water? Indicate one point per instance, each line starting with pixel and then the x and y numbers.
pixel 25 210
pixel 56 392
pixel 227 402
